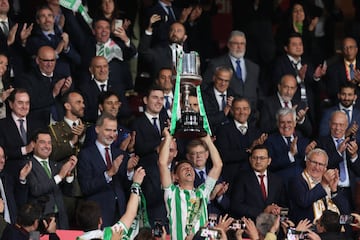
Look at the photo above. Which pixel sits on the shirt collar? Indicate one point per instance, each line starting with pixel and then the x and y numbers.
pixel 40 160
pixel 150 117
pixel 238 124
pixel 259 173
pixel 217 93
pixel 292 59
pixel 341 107
pixel 16 118
pixel 70 122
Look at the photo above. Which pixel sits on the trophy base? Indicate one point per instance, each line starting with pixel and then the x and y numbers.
pixel 190 125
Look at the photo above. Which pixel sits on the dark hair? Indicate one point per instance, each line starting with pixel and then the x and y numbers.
pixel 144 234
pixel 88 215
pixel 162 69
pixel 105 95
pixel 330 221
pixel 12 95
pixel 100 19
pixel 27 214
pixel 153 88
pixel 348 85
pixel 65 97
pixel 177 164
pixel 40 8
pixel 290 36
pixel 39 131
pixel 240 99
pixel 194 143
pixel 260 147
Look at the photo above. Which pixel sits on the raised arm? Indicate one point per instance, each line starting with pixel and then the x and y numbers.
pixel 164 152
pixel 215 158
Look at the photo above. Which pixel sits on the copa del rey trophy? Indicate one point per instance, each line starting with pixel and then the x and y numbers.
pixel 186 121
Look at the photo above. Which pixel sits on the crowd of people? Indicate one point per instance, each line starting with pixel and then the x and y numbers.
pixel 78 152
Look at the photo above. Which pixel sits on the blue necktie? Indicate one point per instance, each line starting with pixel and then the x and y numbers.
pixel 342 170
pixel 347 111
pixel 155 124
pixel 202 177
pixel 167 102
pixel 223 101
pixel 351 67
pixel 238 70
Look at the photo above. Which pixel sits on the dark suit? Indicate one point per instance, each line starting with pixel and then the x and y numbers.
pixel 42 187
pixel 336 76
pixel 232 146
pixel 301 199
pixel 109 195
pixel 214 206
pixel 335 158
pixel 324 129
pixel 90 91
pixel 249 89
pixel 11 142
pixel 268 116
pixel 147 138
pixel 216 117
pixel 280 161
pixel 246 195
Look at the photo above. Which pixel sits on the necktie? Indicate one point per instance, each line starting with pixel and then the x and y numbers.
pixel 342 170
pixel 107 158
pixel 223 101
pixel 171 14
pixel 242 129
pixel 202 176
pixel 238 70
pixel 52 39
pixel 262 186
pixel 167 103
pixel 286 104
pixel 101 50
pixel 46 168
pixel 5 28
pixel 347 111
pixel 103 87
pixel 288 141
pixel 22 131
pixel 351 68
pixel 155 124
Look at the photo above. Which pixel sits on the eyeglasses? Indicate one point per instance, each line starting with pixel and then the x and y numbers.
pixel 197 153
pixel 261 158
pixel 47 60
pixel 314 163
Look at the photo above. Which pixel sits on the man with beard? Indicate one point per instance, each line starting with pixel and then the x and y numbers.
pixel 284 98
pixel 244 81
pixel 347 97
pixel 159 57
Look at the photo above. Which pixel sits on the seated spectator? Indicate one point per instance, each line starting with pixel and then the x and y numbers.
pixel 328 226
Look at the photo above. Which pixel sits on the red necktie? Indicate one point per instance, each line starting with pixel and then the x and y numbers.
pixel 286 104
pixel 262 186
pixel 107 158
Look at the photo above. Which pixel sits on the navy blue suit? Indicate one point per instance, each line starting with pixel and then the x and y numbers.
pixel 232 146
pixel 110 196
pixel 301 199
pixel 246 196
pixel 280 161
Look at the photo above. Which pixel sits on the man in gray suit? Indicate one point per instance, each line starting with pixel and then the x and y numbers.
pixel 244 81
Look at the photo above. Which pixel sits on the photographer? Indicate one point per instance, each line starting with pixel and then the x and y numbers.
pixel 27 225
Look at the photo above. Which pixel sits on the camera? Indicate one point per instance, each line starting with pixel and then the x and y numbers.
pixel 346 219
pixel 284 214
pixel 47 218
pixel 210 233
pixel 238 224
pixel 212 220
pixel 158 228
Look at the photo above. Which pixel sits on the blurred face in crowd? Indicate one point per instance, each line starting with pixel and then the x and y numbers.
pixel 46 60
pixel 222 80
pixel 241 110
pixel 316 165
pixel 101 31
pixel 198 155
pixel 338 124
pixel 3 64
pixel 21 105
pixel 237 46
pixel 287 87
pixel 347 96
pixel 2 159
pixel 4 7
pixel 194 103
pixel 107 6
pixel 111 105
pixel 177 33
pixel 43 147
pixel 173 151
pixel 45 19
pixel 298 14
pixel 286 125
pixel 165 80
pixel 260 160
pixel 107 132
pixel 350 49
pixel 75 105
pixel 154 102
pixel 295 47
pixel 99 68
